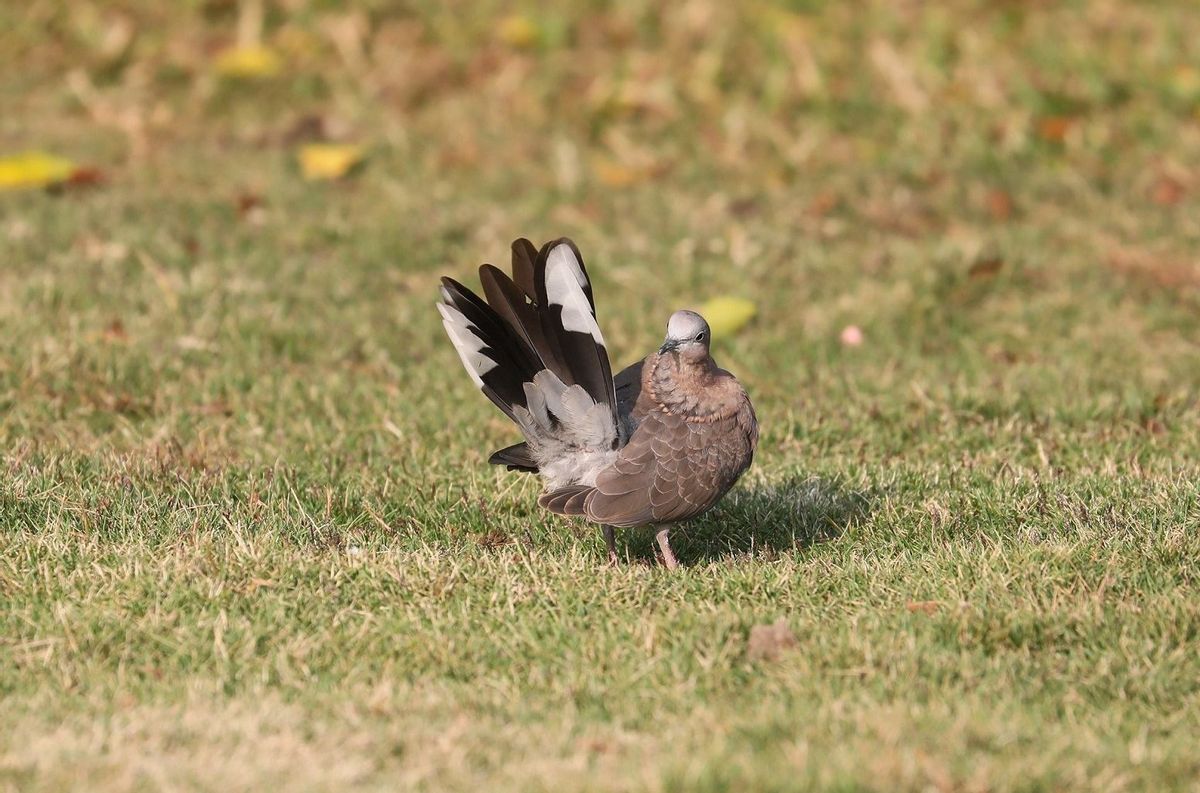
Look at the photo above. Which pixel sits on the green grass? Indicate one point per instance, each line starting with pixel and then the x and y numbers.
pixel 248 536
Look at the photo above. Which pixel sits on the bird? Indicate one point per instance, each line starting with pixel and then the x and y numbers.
pixel 658 444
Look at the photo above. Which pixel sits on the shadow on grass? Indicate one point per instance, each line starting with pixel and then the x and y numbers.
pixel 764 522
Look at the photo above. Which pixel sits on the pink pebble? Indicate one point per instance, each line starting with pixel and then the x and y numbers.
pixel 852 336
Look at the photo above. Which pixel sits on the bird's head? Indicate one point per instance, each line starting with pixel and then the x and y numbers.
pixel 687 336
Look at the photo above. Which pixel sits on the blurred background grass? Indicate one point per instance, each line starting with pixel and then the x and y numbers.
pixel 980 186
pixel 244 477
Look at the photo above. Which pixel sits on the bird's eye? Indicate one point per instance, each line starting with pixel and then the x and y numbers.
pixel 700 336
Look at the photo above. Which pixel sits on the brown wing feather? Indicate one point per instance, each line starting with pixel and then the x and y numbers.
pixel 672 469
pixel 566 500
pixel 621 496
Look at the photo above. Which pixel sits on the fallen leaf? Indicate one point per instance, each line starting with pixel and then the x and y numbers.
pixel 34 169
pixel 250 208
pixel 327 161
pixel 247 201
pixel 248 63
pixel 308 127
pixel 823 203
pixel 596 746
pixel 1166 191
pixel 769 642
pixel 115 332
pixel 86 176
pixel 519 31
pixel 986 267
pixel 851 336
pixel 999 204
pixel 615 174
pixel 728 315
pixel 744 207
pixel 1054 128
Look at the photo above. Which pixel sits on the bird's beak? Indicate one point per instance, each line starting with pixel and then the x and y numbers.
pixel 668 346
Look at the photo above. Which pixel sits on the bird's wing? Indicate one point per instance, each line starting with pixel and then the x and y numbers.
pixel 671 469
pixel 628 387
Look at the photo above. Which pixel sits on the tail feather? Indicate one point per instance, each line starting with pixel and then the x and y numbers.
pixel 519 309
pixel 497 360
pixel 517 457
pixel 568 316
pixel 524 254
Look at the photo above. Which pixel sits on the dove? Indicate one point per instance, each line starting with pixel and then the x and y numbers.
pixel 656 445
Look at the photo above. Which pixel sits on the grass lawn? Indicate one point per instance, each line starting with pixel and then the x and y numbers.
pixel 248 536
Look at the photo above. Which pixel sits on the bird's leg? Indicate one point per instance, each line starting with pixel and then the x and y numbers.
pixel 664 544
pixel 610 540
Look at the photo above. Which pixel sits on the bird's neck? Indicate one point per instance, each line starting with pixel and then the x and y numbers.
pixel 692 387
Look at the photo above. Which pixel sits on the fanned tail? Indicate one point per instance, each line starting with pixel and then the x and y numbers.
pixel 542 319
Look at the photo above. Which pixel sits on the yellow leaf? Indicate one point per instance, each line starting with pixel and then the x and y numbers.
pixel 728 315
pixel 1185 85
pixel 518 31
pixel 615 174
pixel 248 62
pixel 324 161
pixel 34 169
